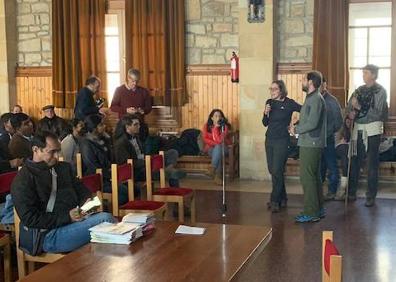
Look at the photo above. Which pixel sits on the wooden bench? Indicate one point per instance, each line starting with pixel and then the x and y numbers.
pixel 201 164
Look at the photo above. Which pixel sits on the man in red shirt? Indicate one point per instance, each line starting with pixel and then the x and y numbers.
pixel 130 98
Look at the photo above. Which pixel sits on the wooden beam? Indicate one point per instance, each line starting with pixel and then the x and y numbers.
pixel 33 72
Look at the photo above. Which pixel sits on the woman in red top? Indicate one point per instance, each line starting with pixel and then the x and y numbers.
pixel 214 132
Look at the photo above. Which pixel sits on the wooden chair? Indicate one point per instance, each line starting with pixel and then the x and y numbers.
pixel 106 196
pixel 5 188
pixel 331 259
pixel 23 258
pixel 124 173
pixel 94 183
pixel 167 194
pixel 5 244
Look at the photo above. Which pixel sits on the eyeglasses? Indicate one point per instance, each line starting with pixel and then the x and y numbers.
pixel 273 88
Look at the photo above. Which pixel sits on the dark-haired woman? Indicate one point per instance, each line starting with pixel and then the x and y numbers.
pixel 277 117
pixel 214 132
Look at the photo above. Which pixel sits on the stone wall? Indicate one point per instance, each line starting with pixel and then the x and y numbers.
pixel 34 32
pixel 295 30
pixel 211 31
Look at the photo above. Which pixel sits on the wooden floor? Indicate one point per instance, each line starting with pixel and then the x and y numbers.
pixel 365 236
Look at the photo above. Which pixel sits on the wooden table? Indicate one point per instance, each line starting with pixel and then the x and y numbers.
pixel 218 255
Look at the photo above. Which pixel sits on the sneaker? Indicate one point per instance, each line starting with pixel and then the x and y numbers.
pixel 322 213
pixel 370 202
pixel 329 196
pixel 275 207
pixel 302 218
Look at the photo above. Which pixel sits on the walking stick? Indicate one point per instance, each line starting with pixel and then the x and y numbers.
pixel 224 207
pixel 349 165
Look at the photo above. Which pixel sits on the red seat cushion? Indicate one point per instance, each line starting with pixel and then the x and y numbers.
pixel 330 250
pixel 142 205
pixel 168 191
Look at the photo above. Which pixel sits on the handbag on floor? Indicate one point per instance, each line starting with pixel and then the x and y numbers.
pixel 31 240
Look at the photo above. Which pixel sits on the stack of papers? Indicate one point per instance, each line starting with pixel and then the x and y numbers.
pixel 139 218
pixel 115 233
pixel 183 229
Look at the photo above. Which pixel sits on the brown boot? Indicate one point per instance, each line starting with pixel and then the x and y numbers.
pixel 218 179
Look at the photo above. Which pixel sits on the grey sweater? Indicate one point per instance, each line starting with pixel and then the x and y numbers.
pixel 313 120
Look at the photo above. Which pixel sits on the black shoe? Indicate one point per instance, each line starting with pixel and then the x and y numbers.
pixel 275 207
pixel 370 202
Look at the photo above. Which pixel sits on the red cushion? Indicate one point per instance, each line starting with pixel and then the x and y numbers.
pixel 142 205
pixel 6 181
pixel 93 182
pixel 173 191
pixel 330 250
pixel 157 162
pixel 124 172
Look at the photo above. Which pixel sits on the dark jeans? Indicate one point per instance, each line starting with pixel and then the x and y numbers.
pixel 329 163
pixel 342 155
pixel 372 156
pixel 276 160
pixel 310 180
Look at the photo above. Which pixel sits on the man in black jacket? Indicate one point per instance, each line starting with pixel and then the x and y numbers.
pixel 20 145
pixel 85 102
pixel 51 122
pixel 67 226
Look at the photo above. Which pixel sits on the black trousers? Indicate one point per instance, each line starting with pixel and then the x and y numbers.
pixel 372 156
pixel 276 160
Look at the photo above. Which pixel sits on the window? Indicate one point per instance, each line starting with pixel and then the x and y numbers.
pixel 370 34
pixel 114 51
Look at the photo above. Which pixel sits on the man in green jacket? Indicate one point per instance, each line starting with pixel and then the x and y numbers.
pixel 312 139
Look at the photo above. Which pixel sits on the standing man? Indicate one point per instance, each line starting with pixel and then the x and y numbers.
pixel 131 98
pixel 312 140
pixel 369 108
pixel 329 157
pixel 85 102
pixel 51 122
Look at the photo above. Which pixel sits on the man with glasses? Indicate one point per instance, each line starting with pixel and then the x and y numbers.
pixel 47 195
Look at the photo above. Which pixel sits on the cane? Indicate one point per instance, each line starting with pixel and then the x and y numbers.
pixel 349 165
pixel 224 207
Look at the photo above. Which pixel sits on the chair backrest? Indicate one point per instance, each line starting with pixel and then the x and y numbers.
pixel 331 259
pixel 79 165
pixel 6 181
pixel 154 163
pixel 94 183
pixel 121 174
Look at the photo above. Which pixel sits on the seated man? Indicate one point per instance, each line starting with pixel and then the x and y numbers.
pixel 67 226
pixel 17 109
pixel 20 145
pixel 70 144
pixel 6 129
pixel 128 146
pixel 95 151
pixel 51 122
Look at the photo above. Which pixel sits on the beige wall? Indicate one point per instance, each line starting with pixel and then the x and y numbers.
pixel 4 86
pixel 256 66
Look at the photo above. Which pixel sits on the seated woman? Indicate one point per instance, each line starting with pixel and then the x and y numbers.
pixel 95 150
pixel 214 133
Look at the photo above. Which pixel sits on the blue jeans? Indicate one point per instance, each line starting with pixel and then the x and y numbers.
pixel 329 162
pixel 216 154
pixel 72 236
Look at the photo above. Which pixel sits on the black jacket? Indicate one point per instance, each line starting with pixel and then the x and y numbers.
pixel 85 104
pixel 31 191
pixel 55 125
pixel 95 155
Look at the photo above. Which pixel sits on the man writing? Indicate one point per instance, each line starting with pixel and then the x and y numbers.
pixel 44 180
pixel 85 101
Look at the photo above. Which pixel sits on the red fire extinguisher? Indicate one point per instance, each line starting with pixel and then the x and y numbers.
pixel 234 68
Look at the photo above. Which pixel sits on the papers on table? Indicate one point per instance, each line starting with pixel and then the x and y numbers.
pixel 115 233
pixel 184 229
pixel 91 205
pixel 139 218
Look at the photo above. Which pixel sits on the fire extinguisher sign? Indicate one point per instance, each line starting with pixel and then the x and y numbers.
pixel 234 68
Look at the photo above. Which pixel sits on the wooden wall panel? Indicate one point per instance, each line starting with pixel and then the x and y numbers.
pixel 210 87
